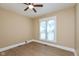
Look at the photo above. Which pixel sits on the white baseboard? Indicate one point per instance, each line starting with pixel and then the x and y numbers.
pixel 29 41
pixel 53 45
pixel 10 47
pixel 58 46
pixel 13 46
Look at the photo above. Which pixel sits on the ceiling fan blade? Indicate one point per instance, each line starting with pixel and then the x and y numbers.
pixel 26 8
pixel 34 10
pixel 38 5
pixel 27 3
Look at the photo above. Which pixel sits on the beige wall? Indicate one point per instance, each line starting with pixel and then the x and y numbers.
pixel 14 28
pixel 65 27
pixel 77 29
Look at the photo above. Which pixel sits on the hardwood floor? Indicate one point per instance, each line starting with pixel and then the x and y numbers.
pixel 36 49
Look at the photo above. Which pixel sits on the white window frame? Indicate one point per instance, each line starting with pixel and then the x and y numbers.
pixel 46 19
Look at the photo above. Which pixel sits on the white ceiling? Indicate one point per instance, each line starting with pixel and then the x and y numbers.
pixel 47 8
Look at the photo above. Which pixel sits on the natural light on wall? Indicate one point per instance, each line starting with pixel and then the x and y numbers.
pixel 48 29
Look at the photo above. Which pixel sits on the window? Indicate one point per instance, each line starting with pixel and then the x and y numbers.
pixel 48 29
pixel 43 29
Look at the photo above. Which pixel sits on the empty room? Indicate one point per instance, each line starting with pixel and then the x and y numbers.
pixel 39 29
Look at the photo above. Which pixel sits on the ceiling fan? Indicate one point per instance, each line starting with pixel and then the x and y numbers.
pixel 32 6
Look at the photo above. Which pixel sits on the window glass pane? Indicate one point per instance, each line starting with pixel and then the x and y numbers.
pixel 43 29
pixel 50 30
pixel 42 36
pixel 50 25
pixel 50 36
pixel 42 26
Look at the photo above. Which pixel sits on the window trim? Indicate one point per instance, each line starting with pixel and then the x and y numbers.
pixel 55 33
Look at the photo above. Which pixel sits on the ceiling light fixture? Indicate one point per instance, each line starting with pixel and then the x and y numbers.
pixel 31 6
